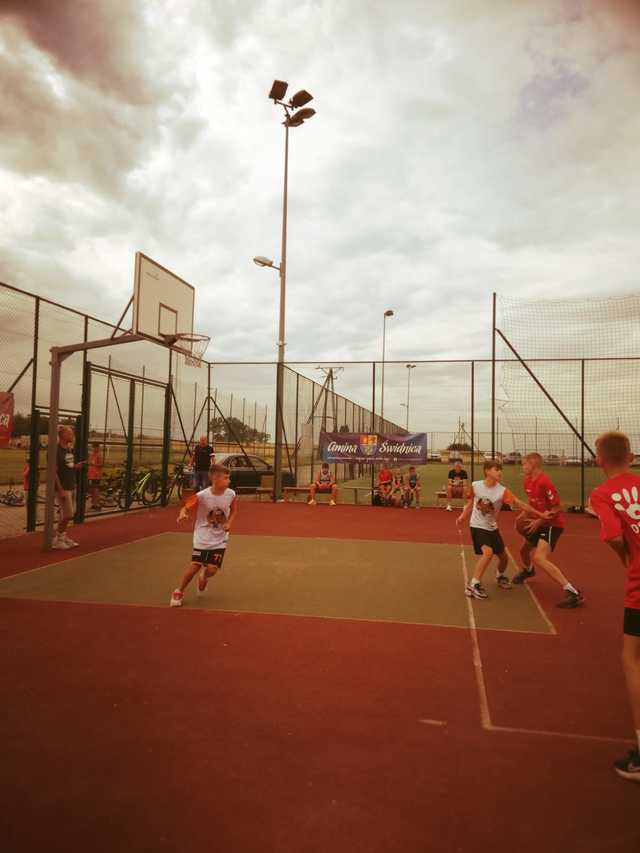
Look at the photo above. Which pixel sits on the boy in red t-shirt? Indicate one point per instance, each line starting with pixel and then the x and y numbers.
pixel 617 504
pixel 540 536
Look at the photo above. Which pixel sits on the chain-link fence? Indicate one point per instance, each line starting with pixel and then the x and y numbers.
pixel 463 411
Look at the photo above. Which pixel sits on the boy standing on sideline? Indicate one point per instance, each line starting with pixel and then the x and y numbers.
pixel 217 509
pixel 485 502
pixel 66 468
pixel 617 504
pixel 541 536
pixel 203 458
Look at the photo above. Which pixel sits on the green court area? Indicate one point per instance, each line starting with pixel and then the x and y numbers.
pixel 406 582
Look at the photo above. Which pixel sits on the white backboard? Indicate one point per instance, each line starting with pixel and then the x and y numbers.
pixel 162 302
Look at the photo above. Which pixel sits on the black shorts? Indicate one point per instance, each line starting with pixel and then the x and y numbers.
pixel 632 622
pixel 548 534
pixel 208 558
pixel 492 538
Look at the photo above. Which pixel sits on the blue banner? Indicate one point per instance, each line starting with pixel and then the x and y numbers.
pixel 409 448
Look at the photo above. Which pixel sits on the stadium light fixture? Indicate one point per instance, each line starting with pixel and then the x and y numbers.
pixel 261 261
pixel 299 117
pixel 300 99
pixel 278 90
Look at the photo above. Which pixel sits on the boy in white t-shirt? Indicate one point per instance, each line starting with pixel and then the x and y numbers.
pixel 217 509
pixel 485 502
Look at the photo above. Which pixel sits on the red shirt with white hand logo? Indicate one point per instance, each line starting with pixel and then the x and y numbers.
pixel 543 496
pixel 617 504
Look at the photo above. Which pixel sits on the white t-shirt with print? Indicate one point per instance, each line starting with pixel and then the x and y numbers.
pixel 487 503
pixel 213 511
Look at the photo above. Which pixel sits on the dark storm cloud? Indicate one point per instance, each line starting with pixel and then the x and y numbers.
pixel 101 43
pixel 83 84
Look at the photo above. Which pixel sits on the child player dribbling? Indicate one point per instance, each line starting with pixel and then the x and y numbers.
pixel 217 507
pixel 540 537
pixel 485 502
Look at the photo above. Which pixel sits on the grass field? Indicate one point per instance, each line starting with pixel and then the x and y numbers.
pixel 432 476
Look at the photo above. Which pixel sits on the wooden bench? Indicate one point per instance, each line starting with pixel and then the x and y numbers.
pixel 443 500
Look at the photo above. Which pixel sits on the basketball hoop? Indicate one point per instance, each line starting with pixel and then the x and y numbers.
pixel 191 345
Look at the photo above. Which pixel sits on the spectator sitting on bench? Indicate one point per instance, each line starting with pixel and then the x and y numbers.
pixel 397 488
pixel 384 484
pixel 456 484
pixel 325 482
pixel 413 488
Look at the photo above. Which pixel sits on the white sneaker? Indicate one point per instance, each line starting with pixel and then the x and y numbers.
pixel 332 503
pixel 59 544
pixel 449 508
pixel 176 598
pixel 312 503
pixel 70 542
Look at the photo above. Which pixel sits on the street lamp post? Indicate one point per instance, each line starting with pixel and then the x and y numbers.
pixel 387 313
pixel 294 117
pixel 409 369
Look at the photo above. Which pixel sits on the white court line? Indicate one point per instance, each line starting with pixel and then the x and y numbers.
pixel 433 722
pixel 514 730
pixel 485 715
pixel 541 610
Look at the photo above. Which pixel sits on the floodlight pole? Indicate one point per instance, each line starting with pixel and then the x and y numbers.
pixel 409 369
pixel 386 314
pixel 277 462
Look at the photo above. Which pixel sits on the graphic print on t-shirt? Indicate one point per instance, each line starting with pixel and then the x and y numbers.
pixel 487 503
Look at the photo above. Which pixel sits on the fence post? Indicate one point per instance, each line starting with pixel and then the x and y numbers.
pixel 582 434
pixel 373 420
pixel 295 453
pixel 34 473
pixel 82 445
pixel 493 380
pixel 473 366
pixel 128 475
pixel 166 442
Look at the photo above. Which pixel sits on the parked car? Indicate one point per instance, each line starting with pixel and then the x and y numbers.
pixel 453 458
pixel 434 456
pixel 573 460
pixel 247 471
pixel 636 460
pixel 488 456
pixel 552 459
pixel 513 458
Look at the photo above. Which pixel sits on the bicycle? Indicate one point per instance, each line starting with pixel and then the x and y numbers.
pixel 13 496
pixel 110 487
pixel 145 489
pixel 181 479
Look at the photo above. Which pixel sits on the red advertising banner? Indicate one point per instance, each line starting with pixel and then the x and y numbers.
pixel 6 417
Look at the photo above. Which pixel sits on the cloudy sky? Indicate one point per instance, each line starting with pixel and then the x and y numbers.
pixel 458 148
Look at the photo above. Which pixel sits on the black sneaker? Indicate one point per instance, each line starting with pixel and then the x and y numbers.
pixel 571 600
pixel 475 590
pixel 503 581
pixel 523 575
pixel 629 767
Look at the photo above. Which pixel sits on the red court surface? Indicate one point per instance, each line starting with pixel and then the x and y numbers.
pixel 139 728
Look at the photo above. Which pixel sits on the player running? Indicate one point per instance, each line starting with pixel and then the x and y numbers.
pixel 617 504
pixel 485 502
pixel 542 536
pixel 217 509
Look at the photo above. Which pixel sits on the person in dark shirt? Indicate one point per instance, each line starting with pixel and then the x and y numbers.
pixel 457 484
pixel 66 468
pixel 203 459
